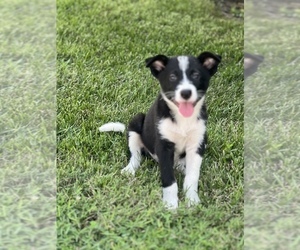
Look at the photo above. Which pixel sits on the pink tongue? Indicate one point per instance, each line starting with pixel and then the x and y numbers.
pixel 186 109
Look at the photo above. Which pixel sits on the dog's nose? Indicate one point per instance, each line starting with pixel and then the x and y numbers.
pixel 186 93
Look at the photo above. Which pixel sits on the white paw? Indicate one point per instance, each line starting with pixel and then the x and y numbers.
pixel 192 198
pixel 128 170
pixel 170 203
pixel 170 197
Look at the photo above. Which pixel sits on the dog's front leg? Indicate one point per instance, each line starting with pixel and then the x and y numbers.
pixel 165 154
pixel 190 185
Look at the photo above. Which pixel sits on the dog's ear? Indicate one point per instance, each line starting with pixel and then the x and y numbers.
pixel 210 61
pixel 251 63
pixel 157 64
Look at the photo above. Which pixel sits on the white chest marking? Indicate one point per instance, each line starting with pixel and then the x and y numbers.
pixel 186 134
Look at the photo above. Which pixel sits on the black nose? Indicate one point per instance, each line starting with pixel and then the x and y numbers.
pixel 186 93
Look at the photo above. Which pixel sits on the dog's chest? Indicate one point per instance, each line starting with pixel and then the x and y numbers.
pixel 186 134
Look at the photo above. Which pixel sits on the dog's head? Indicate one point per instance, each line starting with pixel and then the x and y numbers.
pixel 184 79
pixel 251 63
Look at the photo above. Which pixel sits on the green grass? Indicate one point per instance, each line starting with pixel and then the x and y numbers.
pixel 27 125
pixel 101 76
pixel 272 139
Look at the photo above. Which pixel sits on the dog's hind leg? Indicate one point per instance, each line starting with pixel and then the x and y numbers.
pixel 135 144
pixel 180 166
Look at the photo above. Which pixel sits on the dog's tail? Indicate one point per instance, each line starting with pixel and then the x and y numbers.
pixel 112 126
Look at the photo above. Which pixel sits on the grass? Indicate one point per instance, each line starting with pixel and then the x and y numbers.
pixel 27 125
pixel 101 76
pixel 272 131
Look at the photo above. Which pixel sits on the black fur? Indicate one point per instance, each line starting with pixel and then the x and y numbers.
pixel 183 81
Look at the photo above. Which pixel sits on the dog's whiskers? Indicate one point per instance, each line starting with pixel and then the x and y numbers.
pixel 200 93
pixel 169 94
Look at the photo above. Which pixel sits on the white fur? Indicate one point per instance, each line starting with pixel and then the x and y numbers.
pixel 192 174
pixel 185 83
pixel 154 156
pixel 186 134
pixel 112 126
pixel 135 146
pixel 170 196
pixel 183 62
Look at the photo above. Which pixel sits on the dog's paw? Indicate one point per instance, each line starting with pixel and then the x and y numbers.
pixel 170 196
pixel 129 170
pixel 170 204
pixel 192 198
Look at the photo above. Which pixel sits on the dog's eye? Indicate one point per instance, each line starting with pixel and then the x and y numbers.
pixel 195 75
pixel 173 77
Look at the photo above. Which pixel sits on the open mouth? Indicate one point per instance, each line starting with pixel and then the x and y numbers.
pixel 186 109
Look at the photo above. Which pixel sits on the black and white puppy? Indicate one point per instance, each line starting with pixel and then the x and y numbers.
pixel 173 131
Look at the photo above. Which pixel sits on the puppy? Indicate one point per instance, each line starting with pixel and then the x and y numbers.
pixel 251 63
pixel 173 131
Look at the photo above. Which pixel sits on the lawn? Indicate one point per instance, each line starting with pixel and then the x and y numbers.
pixel 101 77
pixel 272 115
pixel 27 125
